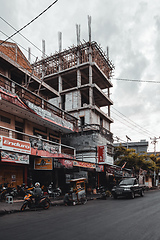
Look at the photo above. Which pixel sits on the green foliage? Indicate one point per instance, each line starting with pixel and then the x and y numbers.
pixel 134 160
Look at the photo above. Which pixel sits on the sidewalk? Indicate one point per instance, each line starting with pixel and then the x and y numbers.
pixel 6 208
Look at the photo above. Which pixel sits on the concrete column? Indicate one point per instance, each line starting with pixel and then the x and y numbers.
pixel 90 88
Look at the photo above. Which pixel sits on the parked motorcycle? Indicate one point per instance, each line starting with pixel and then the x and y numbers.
pixel 54 192
pixel 31 203
pixel 7 191
pixel 103 193
pixel 21 190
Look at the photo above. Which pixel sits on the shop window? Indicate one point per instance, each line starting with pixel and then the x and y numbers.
pixel 5 119
pixel 101 122
pixel 54 138
pixel 19 126
pixel 39 133
pixel 63 99
pixel 82 121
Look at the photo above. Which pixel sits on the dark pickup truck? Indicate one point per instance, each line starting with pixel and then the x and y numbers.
pixel 128 187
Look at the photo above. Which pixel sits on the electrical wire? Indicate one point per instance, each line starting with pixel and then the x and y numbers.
pixel 20 35
pixel 29 22
pixel 136 80
pixel 16 44
pixel 133 123
pixel 141 131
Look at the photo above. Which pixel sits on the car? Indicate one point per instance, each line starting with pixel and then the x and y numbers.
pixel 128 187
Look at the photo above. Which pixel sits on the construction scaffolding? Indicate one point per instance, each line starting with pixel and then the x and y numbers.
pixel 73 57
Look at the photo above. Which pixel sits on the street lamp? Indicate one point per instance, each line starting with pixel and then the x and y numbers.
pixel 127 140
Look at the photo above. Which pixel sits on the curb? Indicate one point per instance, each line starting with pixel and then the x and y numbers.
pixel 17 201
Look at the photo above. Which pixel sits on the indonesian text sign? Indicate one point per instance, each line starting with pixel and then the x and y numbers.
pixel 12 144
pixel 84 164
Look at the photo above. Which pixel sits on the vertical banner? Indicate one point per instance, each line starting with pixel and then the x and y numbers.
pixel 101 154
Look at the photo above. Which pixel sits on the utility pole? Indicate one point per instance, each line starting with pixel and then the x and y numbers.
pixel 154 141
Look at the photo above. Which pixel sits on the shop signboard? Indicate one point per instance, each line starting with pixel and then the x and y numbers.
pixel 13 157
pixel 114 170
pixel 43 163
pixel 66 163
pixel 100 168
pixel 84 164
pixel 11 144
pixel 49 116
pixel 103 156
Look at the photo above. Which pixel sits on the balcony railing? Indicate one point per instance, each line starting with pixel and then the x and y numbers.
pixel 28 96
pixel 39 143
pixel 97 128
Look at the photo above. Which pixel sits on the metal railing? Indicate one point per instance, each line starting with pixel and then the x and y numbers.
pixel 27 95
pixel 40 143
pixel 98 128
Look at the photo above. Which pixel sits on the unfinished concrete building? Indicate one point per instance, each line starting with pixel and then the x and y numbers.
pixel 81 75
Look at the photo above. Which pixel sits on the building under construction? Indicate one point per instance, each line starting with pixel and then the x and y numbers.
pixel 81 77
pixel 64 101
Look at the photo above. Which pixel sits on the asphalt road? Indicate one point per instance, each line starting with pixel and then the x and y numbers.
pixel 127 219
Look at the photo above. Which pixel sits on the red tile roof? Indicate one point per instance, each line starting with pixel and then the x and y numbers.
pixel 12 51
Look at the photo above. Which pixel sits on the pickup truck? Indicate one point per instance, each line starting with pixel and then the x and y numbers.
pixel 128 187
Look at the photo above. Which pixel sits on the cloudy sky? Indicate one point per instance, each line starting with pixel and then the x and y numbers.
pixel 131 30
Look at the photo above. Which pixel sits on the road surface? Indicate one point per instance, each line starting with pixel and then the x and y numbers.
pixel 127 219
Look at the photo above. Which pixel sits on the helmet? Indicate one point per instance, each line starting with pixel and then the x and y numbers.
pixel 37 185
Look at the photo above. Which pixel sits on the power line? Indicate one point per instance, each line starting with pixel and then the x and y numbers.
pixel 16 44
pixel 133 123
pixel 20 35
pixel 126 125
pixel 136 80
pixel 132 126
pixel 29 22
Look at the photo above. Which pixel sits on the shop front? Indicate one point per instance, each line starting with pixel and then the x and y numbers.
pixel 14 161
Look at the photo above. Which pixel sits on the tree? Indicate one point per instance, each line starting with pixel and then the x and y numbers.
pixel 134 160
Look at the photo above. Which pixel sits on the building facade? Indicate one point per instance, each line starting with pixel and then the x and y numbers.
pixel 82 77
pixel 31 128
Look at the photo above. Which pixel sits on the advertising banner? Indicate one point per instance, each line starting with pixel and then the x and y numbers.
pixel 43 164
pixel 103 156
pixel 14 157
pixel 84 164
pixel 66 163
pixel 12 144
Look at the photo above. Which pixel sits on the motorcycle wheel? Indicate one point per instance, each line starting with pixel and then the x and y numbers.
pixel 24 206
pixel 84 199
pixel 46 205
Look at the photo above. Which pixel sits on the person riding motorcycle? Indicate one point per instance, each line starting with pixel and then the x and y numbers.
pixel 37 192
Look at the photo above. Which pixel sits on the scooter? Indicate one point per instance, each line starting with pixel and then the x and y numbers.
pixel 54 192
pixel 32 203
pixel 7 191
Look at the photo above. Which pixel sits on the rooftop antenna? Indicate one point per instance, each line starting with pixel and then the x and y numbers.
pixel 127 140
